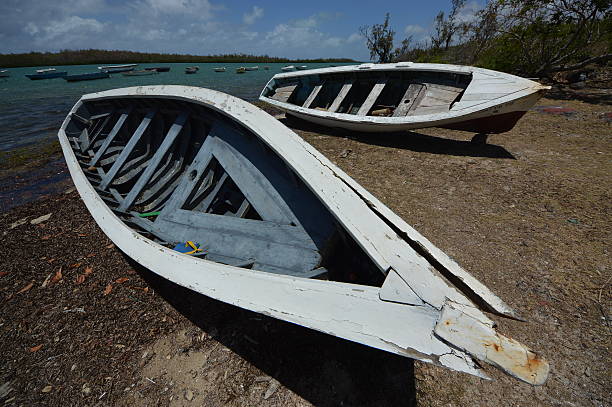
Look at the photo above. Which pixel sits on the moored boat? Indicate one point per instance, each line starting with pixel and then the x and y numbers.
pixel 216 195
pixel 4 73
pixel 301 67
pixel 117 68
pixel 266 68
pixel 288 68
pixel 144 72
pixel 158 68
pixel 47 73
pixel 220 69
pixel 252 68
pixel 86 76
pixel 241 70
pixel 192 69
pixel 404 96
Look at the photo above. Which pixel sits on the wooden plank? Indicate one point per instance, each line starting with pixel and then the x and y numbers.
pixel 284 93
pixel 155 160
pixel 205 204
pixel 116 127
pixel 84 139
pixel 123 156
pixel 99 127
pixel 109 139
pixel 371 99
pixel 312 96
pixel 409 99
pixel 341 95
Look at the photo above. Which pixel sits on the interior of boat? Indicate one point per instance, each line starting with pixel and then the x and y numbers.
pixel 372 93
pixel 186 176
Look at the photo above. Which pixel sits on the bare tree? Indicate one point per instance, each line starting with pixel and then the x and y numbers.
pixel 445 29
pixel 379 39
pixel 548 36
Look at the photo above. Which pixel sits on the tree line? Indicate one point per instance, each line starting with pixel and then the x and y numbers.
pixel 526 37
pixel 97 56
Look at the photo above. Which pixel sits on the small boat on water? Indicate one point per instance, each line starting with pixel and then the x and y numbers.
pixel 158 68
pixel 192 69
pixel 241 70
pixel 87 76
pixel 47 73
pixel 404 96
pixel 213 194
pixel 288 68
pixel 117 68
pixel 221 69
pixel 252 68
pixel 4 73
pixel 301 67
pixel 144 72
pixel 266 68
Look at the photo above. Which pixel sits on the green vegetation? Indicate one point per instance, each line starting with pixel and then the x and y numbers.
pixel 525 37
pixel 103 57
pixel 31 155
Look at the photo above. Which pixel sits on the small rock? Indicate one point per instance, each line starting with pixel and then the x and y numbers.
pixel 86 390
pixel 168 357
pixel 18 223
pixel 40 219
pixel 260 379
pixel 73 367
pixel 5 389
pixel 274 385
pixel 345 153
pixel 47 389
pixel 189 395
pixel 69 190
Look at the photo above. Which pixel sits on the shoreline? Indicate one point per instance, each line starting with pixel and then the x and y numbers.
pixel 527 214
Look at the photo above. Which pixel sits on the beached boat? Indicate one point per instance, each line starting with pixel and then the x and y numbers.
pixel 252 68
pixel 288 68
pixel 158 68
pixel 117 68
pixel 241 70
pixel 143 72
pixel 87 76
pixel 4 73
pixel 47 73
pixel 404 96
pixel 214 194
pixel 221 69
pixel 192 69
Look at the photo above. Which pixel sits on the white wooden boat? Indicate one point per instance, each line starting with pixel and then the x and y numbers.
pixel 221 69
pixel 288 68
pixel 274 227
pixel 404 96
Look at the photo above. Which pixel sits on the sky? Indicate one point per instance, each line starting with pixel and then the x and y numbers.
pixel 305 29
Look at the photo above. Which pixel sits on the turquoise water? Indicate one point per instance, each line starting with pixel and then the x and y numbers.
pixel 32 111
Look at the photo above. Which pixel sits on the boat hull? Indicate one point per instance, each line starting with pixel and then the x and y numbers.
pixel 52 75
pixel 478 100
pixel 404 316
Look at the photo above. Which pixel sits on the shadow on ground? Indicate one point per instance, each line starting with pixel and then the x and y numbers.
pixel 410 140
pixel 322 369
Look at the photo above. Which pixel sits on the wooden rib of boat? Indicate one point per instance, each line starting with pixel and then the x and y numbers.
pixel 216 195
pixel 404 96
pixel 86 76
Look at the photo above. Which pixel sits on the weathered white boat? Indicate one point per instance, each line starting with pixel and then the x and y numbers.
pixel 404 96
pixel 272 226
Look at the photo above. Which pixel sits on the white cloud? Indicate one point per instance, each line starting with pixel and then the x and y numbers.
pixel 354 37
pixel 413 29
pixel 468 12
pixel 256 13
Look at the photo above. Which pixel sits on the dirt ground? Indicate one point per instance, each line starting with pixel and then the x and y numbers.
pixel 528 214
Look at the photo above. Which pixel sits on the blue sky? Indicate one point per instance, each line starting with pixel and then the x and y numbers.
pixel 305 29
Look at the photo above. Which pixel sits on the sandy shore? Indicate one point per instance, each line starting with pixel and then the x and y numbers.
pixel 528 214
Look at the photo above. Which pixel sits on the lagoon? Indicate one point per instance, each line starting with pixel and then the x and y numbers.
pixel 32 111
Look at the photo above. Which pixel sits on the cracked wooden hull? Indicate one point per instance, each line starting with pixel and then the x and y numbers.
pixel 404 96
pixel 398 308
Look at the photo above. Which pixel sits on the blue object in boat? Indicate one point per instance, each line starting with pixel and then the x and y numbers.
pixel 188 247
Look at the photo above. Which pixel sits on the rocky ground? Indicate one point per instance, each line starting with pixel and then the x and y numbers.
pixel 528 214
